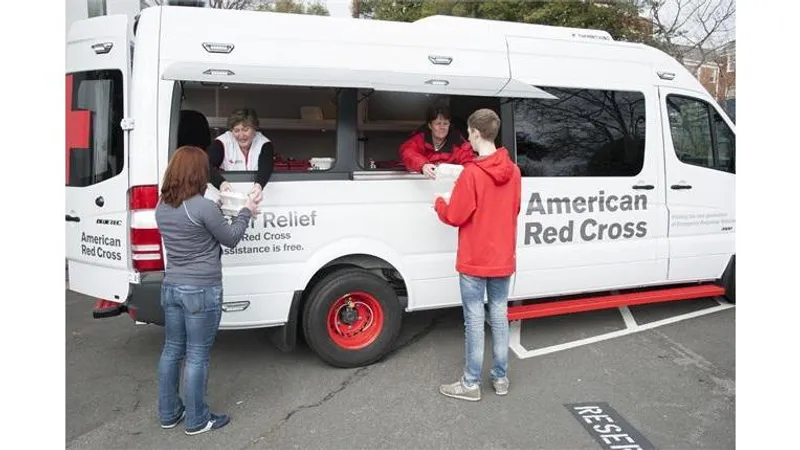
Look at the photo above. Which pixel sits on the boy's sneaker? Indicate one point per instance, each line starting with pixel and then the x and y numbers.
pixel 214 423
pixel 174 423
pixel 458 390
pixel 500 386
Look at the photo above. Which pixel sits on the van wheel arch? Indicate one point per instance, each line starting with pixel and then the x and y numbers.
pixel 367 262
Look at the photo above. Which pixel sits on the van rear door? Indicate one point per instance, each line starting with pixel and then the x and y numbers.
pixel 96 179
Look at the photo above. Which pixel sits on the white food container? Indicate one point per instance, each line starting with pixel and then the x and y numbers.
pixel 233 202
pixel 445 177
pixel 321 163
pixel 212 193
pixel 448 172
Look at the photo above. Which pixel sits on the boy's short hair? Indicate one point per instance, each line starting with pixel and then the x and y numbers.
pixel 486 122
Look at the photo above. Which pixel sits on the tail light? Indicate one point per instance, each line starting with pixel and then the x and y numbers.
pixel 146 251
pixel 106 308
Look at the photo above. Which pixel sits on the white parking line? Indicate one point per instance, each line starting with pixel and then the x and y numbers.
pixel 631 327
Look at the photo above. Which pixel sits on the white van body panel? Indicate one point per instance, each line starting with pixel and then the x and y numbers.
pixel 345 218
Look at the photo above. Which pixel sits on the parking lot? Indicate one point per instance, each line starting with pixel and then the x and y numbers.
pixel 672 386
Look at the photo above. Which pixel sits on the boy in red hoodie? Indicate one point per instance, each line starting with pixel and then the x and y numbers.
pixel 484 205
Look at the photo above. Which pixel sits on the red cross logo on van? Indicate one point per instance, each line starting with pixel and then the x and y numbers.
pixel 77 127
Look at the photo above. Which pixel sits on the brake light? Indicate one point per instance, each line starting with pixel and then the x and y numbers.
pixel 146 249
pixel 146 252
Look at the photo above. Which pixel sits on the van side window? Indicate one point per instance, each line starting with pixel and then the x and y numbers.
pixel 697 139
pixel 94 140
pixel 581 133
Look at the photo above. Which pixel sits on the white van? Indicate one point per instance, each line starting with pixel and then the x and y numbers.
pixel 628 166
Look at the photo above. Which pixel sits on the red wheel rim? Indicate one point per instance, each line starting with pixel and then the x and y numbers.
pixel 364 325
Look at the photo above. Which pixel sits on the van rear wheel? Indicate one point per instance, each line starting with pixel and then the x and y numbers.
pixel 352 318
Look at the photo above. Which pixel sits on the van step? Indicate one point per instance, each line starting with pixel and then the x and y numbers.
pixel 556 308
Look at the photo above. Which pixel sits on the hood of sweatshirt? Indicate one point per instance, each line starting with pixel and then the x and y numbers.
pixel 498 166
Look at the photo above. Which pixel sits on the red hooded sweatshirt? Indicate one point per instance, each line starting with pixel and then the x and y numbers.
pixel 484 205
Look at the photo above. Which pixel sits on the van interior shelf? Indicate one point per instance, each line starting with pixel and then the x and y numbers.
pixel 282 124
pixel 325 124
pixel 391 125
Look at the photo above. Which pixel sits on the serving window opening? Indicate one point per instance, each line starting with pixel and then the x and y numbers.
pixel 302 123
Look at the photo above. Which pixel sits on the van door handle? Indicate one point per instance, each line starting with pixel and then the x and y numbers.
pixel 646 187
pixel 72 218
pixel 680 186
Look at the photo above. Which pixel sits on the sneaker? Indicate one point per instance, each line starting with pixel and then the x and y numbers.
pixel 175 423
pixel 214 423
pixel 500 386
pixel 458 390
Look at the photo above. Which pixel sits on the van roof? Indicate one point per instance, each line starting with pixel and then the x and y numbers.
pixel 516 29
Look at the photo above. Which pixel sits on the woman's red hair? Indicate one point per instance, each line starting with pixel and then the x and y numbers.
pixel 186 175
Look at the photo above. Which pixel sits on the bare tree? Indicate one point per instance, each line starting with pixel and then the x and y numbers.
pixel 692 30
pixel 233 4
pixel 147 3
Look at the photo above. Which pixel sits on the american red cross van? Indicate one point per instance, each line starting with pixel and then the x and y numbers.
pixel 628 164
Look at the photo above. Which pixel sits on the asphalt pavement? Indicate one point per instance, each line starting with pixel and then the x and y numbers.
pixel 673 387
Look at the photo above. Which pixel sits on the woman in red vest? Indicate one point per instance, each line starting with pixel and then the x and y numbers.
pixel 434 143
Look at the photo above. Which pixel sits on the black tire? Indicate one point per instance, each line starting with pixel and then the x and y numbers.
pixel 327 294
pixel 729 280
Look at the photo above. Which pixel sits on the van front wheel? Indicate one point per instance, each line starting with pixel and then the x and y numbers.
pixel 352 318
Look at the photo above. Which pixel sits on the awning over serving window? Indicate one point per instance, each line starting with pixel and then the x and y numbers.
pixel 276 49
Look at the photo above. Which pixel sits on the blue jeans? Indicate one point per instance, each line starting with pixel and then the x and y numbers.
pixel 191 321
pixel 472 295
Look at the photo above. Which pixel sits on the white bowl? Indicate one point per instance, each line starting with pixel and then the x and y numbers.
pixel 321 163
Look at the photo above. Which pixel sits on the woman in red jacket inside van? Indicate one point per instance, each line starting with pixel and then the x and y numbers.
pixel 435 143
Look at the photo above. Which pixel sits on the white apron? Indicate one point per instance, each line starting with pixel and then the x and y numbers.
pixel 234 159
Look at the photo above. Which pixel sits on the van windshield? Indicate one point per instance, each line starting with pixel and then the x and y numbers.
pixel 94 139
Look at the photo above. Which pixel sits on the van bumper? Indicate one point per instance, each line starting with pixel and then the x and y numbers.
pixel 144 300
pixel 144 305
